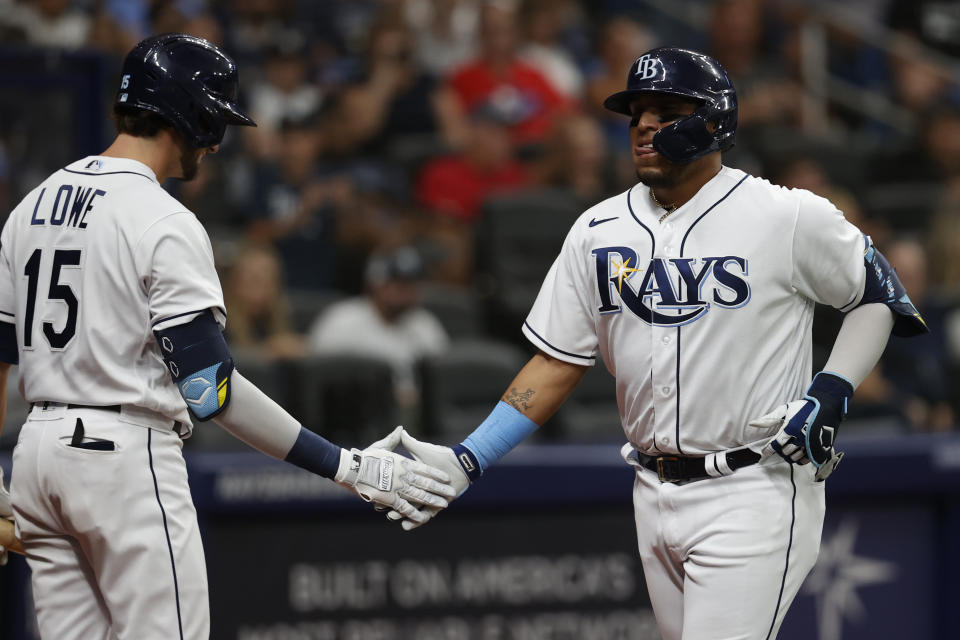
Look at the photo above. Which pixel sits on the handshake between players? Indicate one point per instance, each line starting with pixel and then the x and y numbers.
pixel 411 491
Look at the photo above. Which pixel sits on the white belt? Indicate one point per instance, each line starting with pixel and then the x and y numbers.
pixel 128 413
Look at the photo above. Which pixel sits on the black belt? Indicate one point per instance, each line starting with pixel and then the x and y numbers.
pixel 683 468
pixel 110 407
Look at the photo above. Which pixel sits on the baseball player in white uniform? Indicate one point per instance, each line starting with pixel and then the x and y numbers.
pixel 110 304
pixel 697 288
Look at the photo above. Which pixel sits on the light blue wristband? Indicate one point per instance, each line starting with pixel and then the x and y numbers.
pixel 503 429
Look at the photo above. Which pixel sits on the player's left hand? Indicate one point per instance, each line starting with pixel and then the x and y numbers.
pixel 436 456
pixel 6 511
pixel 808 427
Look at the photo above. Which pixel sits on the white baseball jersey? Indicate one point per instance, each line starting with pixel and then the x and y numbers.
pixel 704 318
pixel 91 261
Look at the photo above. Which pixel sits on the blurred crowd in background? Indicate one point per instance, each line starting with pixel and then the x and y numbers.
pixel 383 231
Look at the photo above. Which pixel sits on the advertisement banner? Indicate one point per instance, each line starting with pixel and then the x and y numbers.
pixel 515 575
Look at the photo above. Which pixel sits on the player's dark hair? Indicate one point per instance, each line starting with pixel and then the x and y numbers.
pixel 139 123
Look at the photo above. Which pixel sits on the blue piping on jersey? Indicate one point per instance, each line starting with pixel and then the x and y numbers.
pixel 566 353
pixel 653 250
pixel 786 566
pixel 732 189
pixel 107 173
pixel 682 243
pixel 179 315
pixel 854 299
pixel 653 242
pixel 676 389
pixel 868 249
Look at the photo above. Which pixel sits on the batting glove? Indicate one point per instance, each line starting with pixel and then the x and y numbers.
pixel 6 511
pixel 379 475
pixel 443 458
pixel 808 427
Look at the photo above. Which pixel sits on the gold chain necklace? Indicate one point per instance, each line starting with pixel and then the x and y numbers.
pixel 669 208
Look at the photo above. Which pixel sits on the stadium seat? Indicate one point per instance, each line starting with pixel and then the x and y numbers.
pixel 518 238
pixel 457 309
pixel 349 399
pixel 461 387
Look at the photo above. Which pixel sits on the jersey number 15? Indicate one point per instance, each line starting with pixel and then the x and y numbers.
pixel 57 291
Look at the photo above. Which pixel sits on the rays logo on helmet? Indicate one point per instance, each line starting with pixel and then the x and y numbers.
pixel 647 67
pixel 669 291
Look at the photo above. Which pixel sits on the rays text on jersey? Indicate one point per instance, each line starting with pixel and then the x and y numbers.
pixel 70 206
pixel 669 291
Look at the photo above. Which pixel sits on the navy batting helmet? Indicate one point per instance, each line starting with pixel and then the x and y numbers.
pixel 693 75
pixel 188 82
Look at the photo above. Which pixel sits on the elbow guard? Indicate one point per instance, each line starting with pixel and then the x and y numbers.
pixel 200 363
pixel 883 286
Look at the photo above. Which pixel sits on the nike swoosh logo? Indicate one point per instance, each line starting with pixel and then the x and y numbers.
pixel 595 222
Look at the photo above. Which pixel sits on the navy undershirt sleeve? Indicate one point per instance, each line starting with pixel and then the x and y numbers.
pixel 8 343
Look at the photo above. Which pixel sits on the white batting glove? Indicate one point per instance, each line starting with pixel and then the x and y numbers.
pixel 784 442
pixel 389 442
pixel 6 511
pixel 808 427
pixel 389 479
pixel 792 421
pixel 442 458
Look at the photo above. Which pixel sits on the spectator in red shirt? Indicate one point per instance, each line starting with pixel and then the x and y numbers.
pixel 457 185
pixel 497 78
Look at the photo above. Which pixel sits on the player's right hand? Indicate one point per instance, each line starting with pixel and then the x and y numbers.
pixel 394 481
pixel 436 456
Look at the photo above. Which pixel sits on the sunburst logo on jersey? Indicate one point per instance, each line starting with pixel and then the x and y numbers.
pixel 622 270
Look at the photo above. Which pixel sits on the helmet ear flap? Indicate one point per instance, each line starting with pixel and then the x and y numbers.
pixel 708 129
pixel 684 140
pixel 208 127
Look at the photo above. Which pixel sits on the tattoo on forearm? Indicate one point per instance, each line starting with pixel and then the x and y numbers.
pixel 519 400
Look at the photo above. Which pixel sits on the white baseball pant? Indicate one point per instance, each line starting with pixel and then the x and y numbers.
pixel 724 557
pixel 111 536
